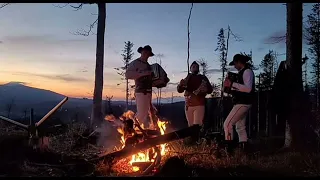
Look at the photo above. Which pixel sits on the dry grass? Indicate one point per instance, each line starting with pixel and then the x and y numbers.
pixel 205 158
pixel 65 142
pixel 292 164
pixel 11 130
pixel 198 158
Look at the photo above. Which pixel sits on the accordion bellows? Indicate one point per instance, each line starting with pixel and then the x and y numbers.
pixel 160 78
pixel 202 88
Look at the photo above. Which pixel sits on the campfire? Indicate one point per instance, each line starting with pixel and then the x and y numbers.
pixel 133 132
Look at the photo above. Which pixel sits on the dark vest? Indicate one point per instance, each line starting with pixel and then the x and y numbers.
pixel 144 83
pixel 242 97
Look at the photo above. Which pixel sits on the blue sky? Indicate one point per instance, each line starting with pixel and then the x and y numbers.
pixel 38 48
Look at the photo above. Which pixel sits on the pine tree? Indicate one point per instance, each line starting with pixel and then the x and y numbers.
pixel 221 48
pixel 313 40
pixel 127 57
pixel 267 75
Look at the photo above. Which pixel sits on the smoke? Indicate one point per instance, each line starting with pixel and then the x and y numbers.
pixel 109 137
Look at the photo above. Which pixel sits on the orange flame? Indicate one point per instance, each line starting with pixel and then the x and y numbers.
pixel 144 155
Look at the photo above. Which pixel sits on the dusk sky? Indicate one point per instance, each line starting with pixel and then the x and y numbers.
pixel 37 46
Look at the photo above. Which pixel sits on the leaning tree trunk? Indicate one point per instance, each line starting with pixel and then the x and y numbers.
pixel 97 114
pixel 298 120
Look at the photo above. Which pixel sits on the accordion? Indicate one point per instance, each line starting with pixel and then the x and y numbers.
pixel 233 77
pixel 202 88
pixel 160 78
pixel 196 84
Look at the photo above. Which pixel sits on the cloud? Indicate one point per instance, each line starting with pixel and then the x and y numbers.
pixel 1 42
pixel 275 37
pixel 260 49
pixel 83 70
pixel 35 39
pixel 279 37
pixel 61 77
pixel 48 45
pixel 67 77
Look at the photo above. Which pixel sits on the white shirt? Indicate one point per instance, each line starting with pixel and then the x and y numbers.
pixel 248 78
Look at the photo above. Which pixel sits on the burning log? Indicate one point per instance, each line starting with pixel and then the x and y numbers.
pixel 142 165
pixel 148 143
pixel 153 116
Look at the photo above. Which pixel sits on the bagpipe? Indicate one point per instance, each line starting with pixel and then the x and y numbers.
pixel 159 78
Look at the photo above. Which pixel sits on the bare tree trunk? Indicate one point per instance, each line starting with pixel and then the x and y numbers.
pixel 97 114
pixel 225 57
pixel 299 123
pixel 189 38
pixel 9 107
pixel 318 63
pixel 287 136
pixel 127 94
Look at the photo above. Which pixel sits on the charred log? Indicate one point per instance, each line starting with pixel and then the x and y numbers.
pixel 149 143
pixel 128 127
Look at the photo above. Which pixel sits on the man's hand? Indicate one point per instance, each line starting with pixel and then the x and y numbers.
pixel 227 83
pixel 182 82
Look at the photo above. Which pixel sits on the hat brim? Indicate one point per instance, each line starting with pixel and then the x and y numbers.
pixel 141 49
pixel 231 63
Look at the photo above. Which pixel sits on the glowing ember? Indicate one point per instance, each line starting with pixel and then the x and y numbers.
pixel 110 118
pixel 144 155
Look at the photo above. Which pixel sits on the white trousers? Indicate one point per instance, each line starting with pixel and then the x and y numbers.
pixel 195 115
pixel 237 116
pixel 143 105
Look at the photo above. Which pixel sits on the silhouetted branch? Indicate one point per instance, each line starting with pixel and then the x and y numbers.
pixel 84 32
pixel 66 4
pixel 76 8
pixel 236 37
pixel 3 5
pixel 189 36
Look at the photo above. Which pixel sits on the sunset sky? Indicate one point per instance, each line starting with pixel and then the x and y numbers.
pixel 37 46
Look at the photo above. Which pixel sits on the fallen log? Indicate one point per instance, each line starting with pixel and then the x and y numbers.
pixel 148 143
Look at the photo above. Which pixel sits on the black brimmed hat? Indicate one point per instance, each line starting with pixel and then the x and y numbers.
pixel 147 48
pixel 239 57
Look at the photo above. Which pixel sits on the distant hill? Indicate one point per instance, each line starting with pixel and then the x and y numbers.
pixel 22 94
pixel 169 100
pixel 24 97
